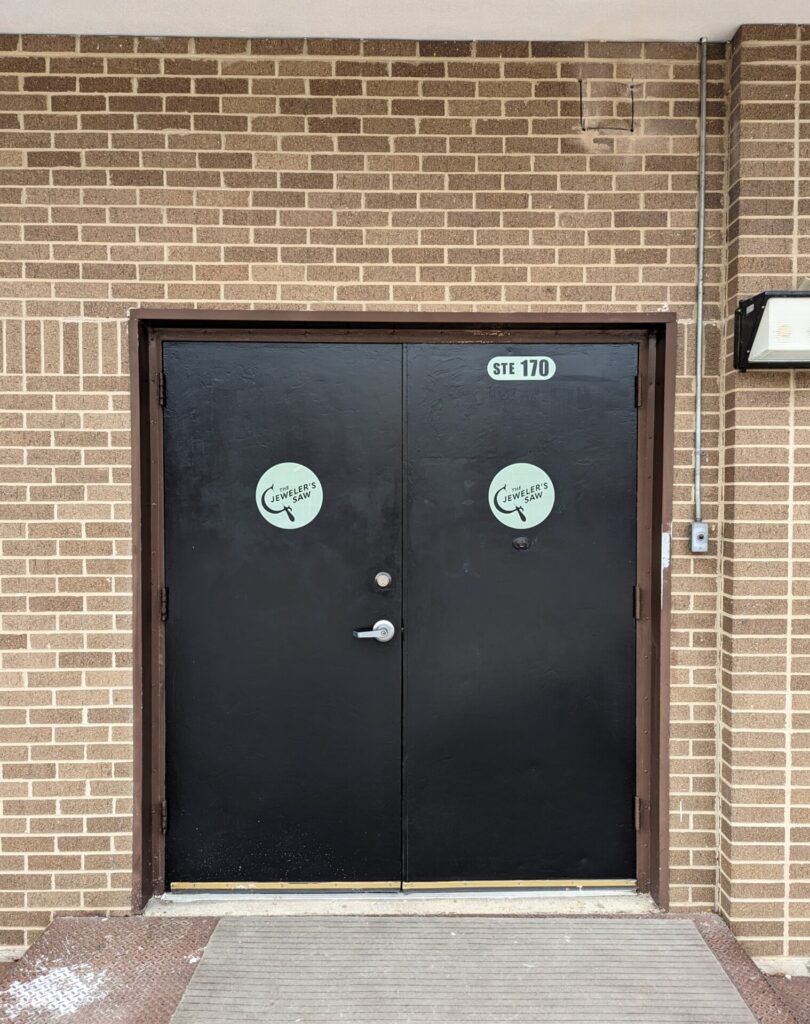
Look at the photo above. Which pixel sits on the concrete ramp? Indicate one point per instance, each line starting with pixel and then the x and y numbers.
pixel 464 970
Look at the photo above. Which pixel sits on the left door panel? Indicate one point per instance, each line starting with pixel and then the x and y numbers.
pixel 283 758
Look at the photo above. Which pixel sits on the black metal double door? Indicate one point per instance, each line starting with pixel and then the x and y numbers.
pixel 492 737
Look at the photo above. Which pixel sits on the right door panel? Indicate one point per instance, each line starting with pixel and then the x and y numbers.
pixel 519 727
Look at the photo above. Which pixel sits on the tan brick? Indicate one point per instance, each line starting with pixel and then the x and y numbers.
pixel 385 174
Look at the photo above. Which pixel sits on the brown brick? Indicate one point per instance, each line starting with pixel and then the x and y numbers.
pixel 437 48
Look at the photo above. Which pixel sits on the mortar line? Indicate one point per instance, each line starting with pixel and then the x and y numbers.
pixel 796 160
pixel 721 493
pixel 791 518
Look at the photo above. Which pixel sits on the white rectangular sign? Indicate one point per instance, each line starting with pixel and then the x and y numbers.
pixel 521 368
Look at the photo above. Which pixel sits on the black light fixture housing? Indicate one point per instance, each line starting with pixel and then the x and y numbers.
pixel 772 331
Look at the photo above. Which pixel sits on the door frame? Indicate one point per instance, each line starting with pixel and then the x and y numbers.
pixel 655 334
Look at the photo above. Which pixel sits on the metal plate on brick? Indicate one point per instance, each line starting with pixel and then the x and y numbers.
pixel 487 970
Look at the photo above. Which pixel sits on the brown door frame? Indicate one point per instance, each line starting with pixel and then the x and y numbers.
pixel 655 334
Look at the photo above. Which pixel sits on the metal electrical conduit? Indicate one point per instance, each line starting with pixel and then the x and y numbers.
pixel 700 531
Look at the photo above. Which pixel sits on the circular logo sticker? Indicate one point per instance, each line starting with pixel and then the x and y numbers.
pixel 289 495
pixel 521 495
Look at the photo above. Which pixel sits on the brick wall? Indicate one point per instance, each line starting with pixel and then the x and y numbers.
pixel 288 174
pixel 765 671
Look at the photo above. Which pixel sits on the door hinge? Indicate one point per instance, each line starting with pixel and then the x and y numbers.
pixel 162 389
pixel 637 813
pixel 164 603
pixel 164 816
pixel 636 602
pixel 638 390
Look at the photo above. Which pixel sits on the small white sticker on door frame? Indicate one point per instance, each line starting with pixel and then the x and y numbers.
pixel 289 495
pixel 515 368
pixel 521 495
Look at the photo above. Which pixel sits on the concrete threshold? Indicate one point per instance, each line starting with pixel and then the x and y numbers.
pixel 789 966
pixel 512 904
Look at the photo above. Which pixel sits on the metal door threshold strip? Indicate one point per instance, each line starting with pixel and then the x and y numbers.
pixel 284 886
pixel 493 885
pixel 371 970
pixel 531 883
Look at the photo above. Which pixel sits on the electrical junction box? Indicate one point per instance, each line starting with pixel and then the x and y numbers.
pixel 700 538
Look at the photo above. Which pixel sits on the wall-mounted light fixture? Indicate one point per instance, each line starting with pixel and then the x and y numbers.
pixel 772 331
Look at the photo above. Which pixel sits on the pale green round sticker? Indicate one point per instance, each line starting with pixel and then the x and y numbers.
pixel 521 495
pixel 289 495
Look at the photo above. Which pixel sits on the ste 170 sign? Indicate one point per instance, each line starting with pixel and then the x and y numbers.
pixel 521 368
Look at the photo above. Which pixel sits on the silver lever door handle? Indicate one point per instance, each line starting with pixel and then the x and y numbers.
pixel 383 631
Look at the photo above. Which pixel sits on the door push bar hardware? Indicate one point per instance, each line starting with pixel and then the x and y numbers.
pixel 383 631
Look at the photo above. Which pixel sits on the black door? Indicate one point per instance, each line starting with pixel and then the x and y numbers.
pixel 290 484
pixel 283 730
pixel 520 660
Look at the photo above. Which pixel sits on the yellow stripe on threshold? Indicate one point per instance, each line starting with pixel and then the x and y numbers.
pixel 284 886
pixel 529 883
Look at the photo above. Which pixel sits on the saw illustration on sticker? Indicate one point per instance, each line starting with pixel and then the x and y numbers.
pixel 521 495
pixel 289 495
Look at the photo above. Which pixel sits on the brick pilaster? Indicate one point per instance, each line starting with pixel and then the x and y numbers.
pixel 765 622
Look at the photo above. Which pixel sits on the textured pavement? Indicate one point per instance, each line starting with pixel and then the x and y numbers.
pixel 491 971
pixel 795 995
pixel 94 970
pixel 391 970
